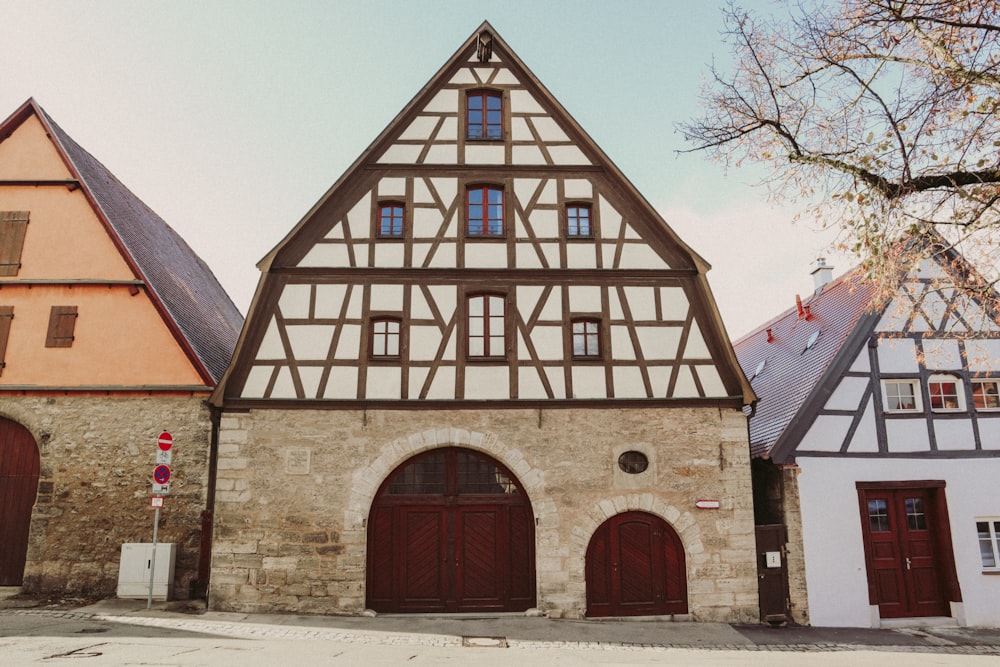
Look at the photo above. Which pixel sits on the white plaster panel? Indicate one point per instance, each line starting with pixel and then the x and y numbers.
pixel 444 257
pixel 529 384
pixel 935 308
pixel 310 341
pixel 552 310
pixel 628 382
pixel 343 383
pixel 257 380
pixel 443 384
pixel 505 77
pixel 581 256
pixel 578 188
pixel 942 354
pixel 284 386
pixel 336 232
pixel 711 382
pixel 611 220
pixel 566 155
pixel 421 193
pixel 271 346
pixel 894 317
pixel 641 256
pixel 557 380
pixel 695 347
pixel 463 77
pixel 349 344
pixel 641 302
pixel 483 74
pixel 524 189
pixel 615 306
pixel 519 130
pixel 954 434
pixel 685 387
pixel 897 355
pixel 907 435
pixel 442 153
pixel 549 194
pixel 526 256
pixel 989 433
pixel 847 395
pixel 329 300
pixel 548 342
pixel 310 377
pixel 621 343
pixel 861 364
pixel 445 101
pixel 326 255
pixel 826 434
pixel 673 303
pixel 294 302
pixel 446 188
pixel 486 255
pixel 974 316
pixel 983 355
pixel 361 253
pixel 545 223
pixel 659 380
pixel 484 154
pixel 865 437
pixel 386 297
pixel 487 382
pixel 589 382
pixel 360 218
pixel 523 102
pixel 584 299
pixel 527 298
pixel 424 342
pixel 445 299
pixel 609 256
pixel 384 382
pixel 389 255
pixel 527 155
pixel 421 128
pixel 426 223
pixel 929 268
pixel 659 342
pixel 391 187
pixel 548 129
pixel 401 154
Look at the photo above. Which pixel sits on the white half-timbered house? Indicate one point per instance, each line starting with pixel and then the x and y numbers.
pixel 876 441
pixel 483 374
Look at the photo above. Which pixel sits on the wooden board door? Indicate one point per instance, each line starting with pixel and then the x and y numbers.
pixel 635 567
pixel 19 466
pixel 905 565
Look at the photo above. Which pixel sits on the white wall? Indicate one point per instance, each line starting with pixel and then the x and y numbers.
pixel 835 562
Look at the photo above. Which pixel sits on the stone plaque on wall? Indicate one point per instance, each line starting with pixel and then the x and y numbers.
pixel 297 461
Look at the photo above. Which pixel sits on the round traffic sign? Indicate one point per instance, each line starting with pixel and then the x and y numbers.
pixel 165 441
pixel 161 474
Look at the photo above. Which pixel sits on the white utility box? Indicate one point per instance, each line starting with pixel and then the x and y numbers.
pixel 133 572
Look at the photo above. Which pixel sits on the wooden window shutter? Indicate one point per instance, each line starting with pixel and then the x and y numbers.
pixel 62 322
pixel 6 315
pixel 13 225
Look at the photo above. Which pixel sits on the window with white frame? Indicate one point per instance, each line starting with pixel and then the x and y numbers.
pixel 902 396
pixel 945 393
pixel 986 394
pixel 989 543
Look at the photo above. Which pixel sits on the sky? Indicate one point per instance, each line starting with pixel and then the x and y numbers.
pixel 231 119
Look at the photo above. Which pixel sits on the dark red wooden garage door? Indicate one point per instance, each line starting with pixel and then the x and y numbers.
pixel 635 567
pixel 451 531
pixel 18 487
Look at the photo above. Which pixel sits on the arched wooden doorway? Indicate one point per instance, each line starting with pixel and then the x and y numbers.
pixel 635 567
pixel 451 530
pixel 18 488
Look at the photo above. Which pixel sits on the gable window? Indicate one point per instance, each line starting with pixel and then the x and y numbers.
pixel 13 225
pixel 487 326
pixel 586 338
pixel 986 394
pixel 484 115
pixel 6 315
pixel 989 543
pixel 385 334
pixel 484 211
pixel 901 396
pixel 945 393
pixel 578 222
pixel 390 219
pixel 62 324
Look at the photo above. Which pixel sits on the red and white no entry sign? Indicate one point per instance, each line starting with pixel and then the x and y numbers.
pixel 165 441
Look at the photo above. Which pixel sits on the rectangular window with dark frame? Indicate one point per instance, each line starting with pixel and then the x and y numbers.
pixel 484 212
pixel 484 115
pixel 62 325
pixel 578 222
pixel 6 315
pixel 901 396
pixel 487 326
pixel 586 338
pixel 385 335
pixel 989 543
pixel 13 226
pixel 986 394
pixel 390 219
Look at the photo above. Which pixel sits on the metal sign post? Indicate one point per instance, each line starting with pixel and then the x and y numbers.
pixel 161 487
pixel 152 560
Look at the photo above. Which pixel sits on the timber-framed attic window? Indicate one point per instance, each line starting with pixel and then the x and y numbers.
pixel 484 115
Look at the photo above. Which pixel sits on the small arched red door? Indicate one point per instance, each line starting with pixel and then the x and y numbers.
pixel 19 466
pixel 451 530
pixel 635 567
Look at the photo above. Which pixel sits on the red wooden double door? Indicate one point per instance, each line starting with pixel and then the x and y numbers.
pixel 451 531
pixel 19 467
pixel 636 567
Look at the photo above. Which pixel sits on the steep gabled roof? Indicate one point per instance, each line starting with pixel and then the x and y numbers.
pixel 791 373
pixel 189 297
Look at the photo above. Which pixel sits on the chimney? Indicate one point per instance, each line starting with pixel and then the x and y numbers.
pixel 770 336
pixel 798 306
pixel 822 274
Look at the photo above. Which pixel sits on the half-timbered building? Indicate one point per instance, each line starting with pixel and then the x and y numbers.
pixel 876 444
pixel 111 331
pixel 482 374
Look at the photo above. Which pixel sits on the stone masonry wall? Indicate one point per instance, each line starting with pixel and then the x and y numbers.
pixel 97 455
pixel 797 593
pixel 295 489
